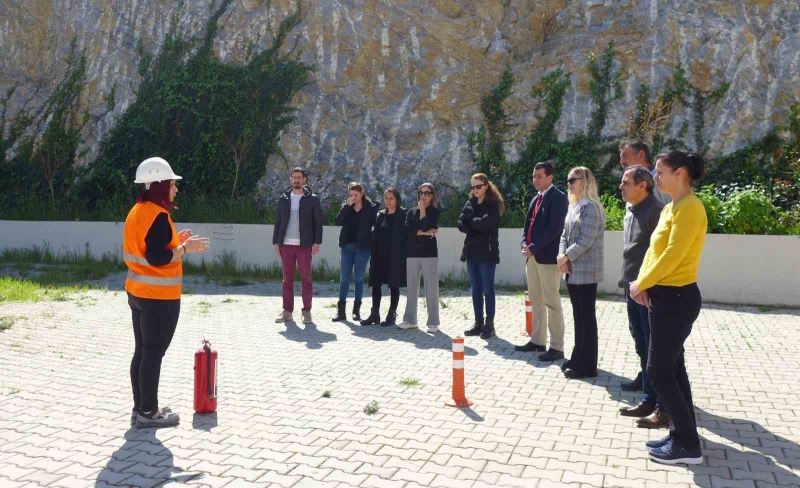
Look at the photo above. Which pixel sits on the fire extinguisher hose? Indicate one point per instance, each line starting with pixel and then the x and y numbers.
pixel 209 382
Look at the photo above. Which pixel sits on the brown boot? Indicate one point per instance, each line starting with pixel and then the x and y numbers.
pixel 657 420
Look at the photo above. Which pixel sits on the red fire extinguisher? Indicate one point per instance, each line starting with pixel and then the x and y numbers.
pixel 205 379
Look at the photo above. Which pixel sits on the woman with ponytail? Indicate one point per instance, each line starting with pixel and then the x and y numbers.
pixel 480 221
pixel 667 285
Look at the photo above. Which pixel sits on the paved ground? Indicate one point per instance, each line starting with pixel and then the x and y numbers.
pixel 65 401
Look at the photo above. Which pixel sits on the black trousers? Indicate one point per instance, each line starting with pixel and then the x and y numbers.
pixel 584 354
pixel 673 310
pixel 393 300
pixel 154 323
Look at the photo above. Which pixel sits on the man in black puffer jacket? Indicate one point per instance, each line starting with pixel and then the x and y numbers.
pixel 296 237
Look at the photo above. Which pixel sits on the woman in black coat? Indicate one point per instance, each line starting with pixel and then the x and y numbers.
pixel 356 217
pixel 388 259
pixel 480 221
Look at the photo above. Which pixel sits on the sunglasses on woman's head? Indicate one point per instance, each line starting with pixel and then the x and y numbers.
pixel 572 180
pixel 477 187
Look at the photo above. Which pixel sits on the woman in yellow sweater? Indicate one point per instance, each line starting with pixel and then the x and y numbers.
pixel 667 285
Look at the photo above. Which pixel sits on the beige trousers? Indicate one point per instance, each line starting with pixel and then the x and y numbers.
pixel 543 284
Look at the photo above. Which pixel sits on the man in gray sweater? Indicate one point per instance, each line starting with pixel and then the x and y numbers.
pixel 641 217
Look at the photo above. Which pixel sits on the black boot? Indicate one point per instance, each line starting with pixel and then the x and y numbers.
pixel 476 328
pixel 357 311
pixel 374 317
pixel 340 306
pixel 391 318
pixel 487 332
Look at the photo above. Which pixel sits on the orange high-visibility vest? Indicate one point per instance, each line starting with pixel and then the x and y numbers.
pixel 145 280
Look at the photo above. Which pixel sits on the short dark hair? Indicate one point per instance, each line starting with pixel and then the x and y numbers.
pixel 694 163
pixel 548 166
pixel 641 174
pixel 298 169
pixel 637 145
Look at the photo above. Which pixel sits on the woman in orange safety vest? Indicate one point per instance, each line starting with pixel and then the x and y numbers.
pixel 153 250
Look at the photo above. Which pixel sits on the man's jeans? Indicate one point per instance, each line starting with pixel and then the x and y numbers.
pixel 639 324
pixel 352 257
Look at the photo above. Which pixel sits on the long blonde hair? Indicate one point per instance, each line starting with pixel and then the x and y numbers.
pixel 588 187
pixel 492 192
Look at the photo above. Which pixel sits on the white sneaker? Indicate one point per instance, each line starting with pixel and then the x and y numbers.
pixel 284 317
pixel 135 412
pixel 406 325
pixel 162 417
pixel 433 329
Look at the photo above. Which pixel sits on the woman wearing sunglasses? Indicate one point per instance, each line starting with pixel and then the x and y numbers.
pixel 422 258
pixel 580 258
pixel 480 221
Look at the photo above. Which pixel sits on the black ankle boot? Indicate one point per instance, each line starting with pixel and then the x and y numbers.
pixel 476 328
pixel 391 319
pixel 487 332
pixel 340 306
pixel 357 310
pixel 374 317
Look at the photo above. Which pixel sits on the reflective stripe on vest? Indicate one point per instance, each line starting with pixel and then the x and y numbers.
pixel 153 280
pixel 126 256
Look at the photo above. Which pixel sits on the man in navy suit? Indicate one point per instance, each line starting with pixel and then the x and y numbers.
pixel 540 238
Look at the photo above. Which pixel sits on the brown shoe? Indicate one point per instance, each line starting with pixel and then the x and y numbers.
pixel 641 410
pixel 657 420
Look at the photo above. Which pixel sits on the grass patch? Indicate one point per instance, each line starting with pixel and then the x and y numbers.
pixel 227 269
pixel 410 382
pixel 229 300
pixel 371 408
pixel 28 290
pixel 6 323
pixel 326 394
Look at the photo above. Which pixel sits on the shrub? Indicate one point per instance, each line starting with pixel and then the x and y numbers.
pixel 713 206
pixel 615 211
pixel 749 211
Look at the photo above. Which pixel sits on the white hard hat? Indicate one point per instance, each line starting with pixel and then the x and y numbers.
pixel 154 169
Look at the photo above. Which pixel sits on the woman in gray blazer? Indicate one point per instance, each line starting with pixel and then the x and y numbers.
pixel 580 258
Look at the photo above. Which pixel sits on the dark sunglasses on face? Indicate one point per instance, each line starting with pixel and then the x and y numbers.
pixel 572 180
pixel 427 193
pixel 477 187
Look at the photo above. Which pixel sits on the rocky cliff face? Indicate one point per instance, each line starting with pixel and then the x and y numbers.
pixel 398 82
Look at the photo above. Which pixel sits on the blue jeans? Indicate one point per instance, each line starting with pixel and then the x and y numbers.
pixel 639 323
pixel 481 277
pixel 352 258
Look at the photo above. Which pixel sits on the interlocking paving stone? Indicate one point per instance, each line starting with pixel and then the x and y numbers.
pixel 528 426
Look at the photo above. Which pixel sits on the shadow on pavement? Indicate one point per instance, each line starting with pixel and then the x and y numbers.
pixel 204 421
pixel 310 334
pixel 142 461
pixel 768 456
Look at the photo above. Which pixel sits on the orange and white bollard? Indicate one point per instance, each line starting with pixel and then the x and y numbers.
pixel 459 397
pixel 528 316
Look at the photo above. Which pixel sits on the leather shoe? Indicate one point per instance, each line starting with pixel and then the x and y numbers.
pixel 641 410
pixel 566 365
pixel 551 355
pixel 633 385
pixel 576 375
pixel 530 346
pixel 657 420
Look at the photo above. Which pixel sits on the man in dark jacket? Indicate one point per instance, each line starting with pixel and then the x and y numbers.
pixel 540 238
pixel 641 218
pixel 296 237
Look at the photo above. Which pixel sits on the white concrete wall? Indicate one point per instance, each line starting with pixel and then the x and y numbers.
pixel 762 270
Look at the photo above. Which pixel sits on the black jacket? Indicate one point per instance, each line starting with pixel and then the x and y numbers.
pixel 547 227
pixel 422 246
pixel 481 223
pixel 310 218
pixel 397 254
pixel 369 212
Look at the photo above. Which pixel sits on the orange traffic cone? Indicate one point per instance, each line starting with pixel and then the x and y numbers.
pixel 528 316
pixel 459 397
